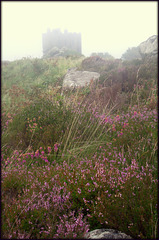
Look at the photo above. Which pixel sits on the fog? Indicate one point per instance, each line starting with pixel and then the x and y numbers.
pixel 110 27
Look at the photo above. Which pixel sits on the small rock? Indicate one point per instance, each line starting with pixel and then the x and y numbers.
pixel 106 234
pixel 75 78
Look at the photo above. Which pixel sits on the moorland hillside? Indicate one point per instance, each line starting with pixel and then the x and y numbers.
pixel 78 159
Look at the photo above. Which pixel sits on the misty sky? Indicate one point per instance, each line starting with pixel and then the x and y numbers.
pixel 110 27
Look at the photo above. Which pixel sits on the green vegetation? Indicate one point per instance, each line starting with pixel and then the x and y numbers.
pixel 131 53
pixel 104 55
pixel 81 160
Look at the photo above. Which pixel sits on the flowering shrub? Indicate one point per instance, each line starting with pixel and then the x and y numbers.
pixel 68 167
pixel 71 226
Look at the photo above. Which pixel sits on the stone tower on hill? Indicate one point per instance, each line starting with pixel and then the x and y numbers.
pixel 57 39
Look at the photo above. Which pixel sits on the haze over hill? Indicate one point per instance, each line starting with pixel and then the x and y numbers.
pixel 104 26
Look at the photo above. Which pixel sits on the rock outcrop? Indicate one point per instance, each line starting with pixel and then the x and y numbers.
pixel 74 78
pixel 106 234
pixel 150 46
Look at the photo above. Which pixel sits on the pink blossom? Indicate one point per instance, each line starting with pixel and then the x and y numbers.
pixel 79 190
pixel 37 153
pixel 87 184
pixel 49 149
pixel 56 147
pixel 42 152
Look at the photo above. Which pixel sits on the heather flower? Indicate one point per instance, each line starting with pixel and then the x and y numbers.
pixel 42 152
pixel 56 147
pixel 71 226
pixel 106 120
pixel 88 184
pixel 49 149
pixel 37 153
pixel 96 185
pixel 85 201
pixel 79 190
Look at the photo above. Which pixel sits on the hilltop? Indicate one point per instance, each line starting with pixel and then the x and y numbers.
pixel 83 158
